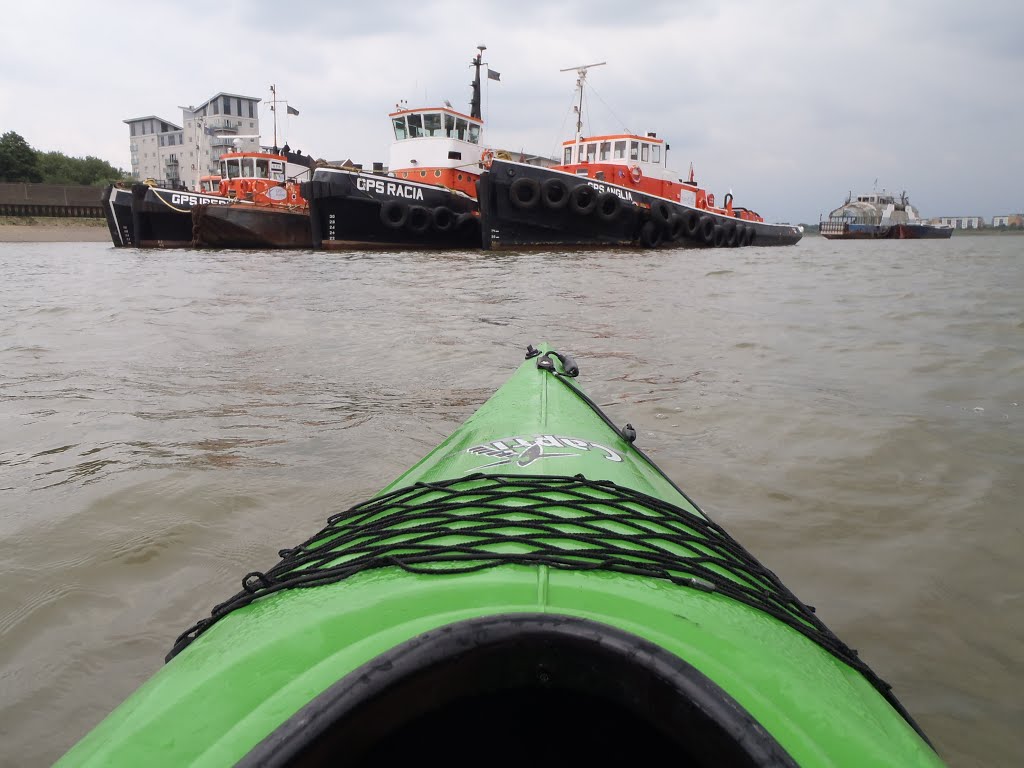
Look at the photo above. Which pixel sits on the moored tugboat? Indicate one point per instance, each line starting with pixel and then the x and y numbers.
pixel 267 210
pixel 611 190
pixel 427 198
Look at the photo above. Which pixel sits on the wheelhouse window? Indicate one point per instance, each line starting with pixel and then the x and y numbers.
pixel 474 133
pixel 277 170
pixel 656 153
pixel 415 126
pixel 449 126
pixel 568 156
pixel 620 150
pixel 262 168
pixel 401 132
pixel 634 150
pixel 645 152
pixel 461 127
pixel 591 152
pixel 432 124
pixel 606 150
pixel 230 169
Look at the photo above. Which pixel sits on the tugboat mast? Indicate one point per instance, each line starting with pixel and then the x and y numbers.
pixel 581 77
pixel 474 104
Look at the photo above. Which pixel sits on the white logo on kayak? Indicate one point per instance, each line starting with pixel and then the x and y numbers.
pixel 523 451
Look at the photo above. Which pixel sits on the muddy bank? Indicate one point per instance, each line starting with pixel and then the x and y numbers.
pixel 55 230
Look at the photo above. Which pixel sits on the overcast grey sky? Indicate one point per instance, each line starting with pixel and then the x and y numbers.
pixel 790 104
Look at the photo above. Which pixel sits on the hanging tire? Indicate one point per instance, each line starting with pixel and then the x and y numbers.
pixel 660 212
pixel 608 206
pixel 554 193
pixel 691 222
pixel 651 234
pixel 676 227
pixel 524 193
pixel 583 200
pixel 732 234
pixel 443 219
pixel 751 234
pixel 419 219
pixel 707 230
pixel 394 214
pixel 719 238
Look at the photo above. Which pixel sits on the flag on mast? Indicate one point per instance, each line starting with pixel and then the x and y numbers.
pixel 292 111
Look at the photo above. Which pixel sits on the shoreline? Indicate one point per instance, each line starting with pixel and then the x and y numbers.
pixel 17 229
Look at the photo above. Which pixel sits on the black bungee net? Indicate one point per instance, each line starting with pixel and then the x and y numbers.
pixel 485 520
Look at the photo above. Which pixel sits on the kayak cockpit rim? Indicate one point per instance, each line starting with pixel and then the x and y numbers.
pixel 473 682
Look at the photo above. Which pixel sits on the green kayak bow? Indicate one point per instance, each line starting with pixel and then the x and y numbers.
pixel 534 589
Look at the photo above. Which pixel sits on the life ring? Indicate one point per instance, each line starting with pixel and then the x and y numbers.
pixel 222 188
pixel 246 186
pixel 635 174
pixel 487 158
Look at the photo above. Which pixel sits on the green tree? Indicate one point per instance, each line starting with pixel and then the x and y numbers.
pixel 58 168
pixel 18 161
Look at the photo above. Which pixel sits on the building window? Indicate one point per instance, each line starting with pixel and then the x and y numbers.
pixel 227 105
pixel 251 113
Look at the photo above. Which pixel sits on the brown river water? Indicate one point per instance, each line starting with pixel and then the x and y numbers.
pixel 853 413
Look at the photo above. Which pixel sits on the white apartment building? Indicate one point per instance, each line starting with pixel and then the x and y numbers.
pixel 179 155
pixel 963 222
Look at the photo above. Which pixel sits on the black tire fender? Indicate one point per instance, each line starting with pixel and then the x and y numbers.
pixel 583 199
pixel 554 193
pixel 608 206
pixel 524 193
pixel 443 218
pixel 707 230
pixel 394 214
pixel 651 234
pixel 419 219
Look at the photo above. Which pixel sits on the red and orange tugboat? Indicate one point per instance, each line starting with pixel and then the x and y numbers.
pixel 612 190
pixel 253 202
pixel 426 199
pixel 267 209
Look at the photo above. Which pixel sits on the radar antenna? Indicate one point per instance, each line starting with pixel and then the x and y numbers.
pixel 581 78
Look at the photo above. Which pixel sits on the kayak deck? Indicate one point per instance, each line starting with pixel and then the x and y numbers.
pixel 534 578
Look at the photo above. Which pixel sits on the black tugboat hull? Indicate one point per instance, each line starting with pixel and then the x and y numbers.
pixel 519 208
pixel 353 209
pixel 250 226
pixel 117 210
pixel 162 218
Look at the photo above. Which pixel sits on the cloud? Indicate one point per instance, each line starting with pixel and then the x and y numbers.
pixel 790 104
